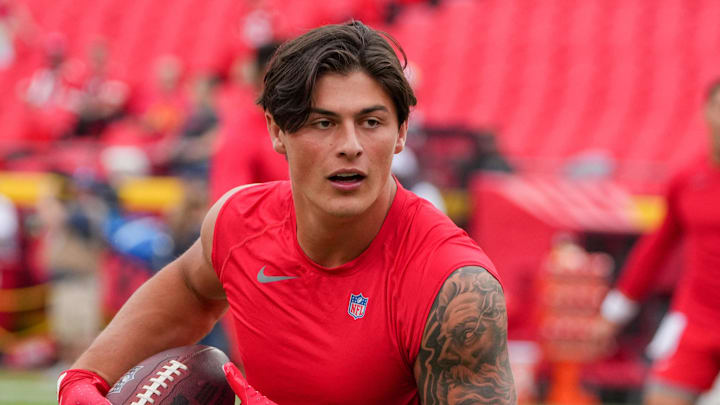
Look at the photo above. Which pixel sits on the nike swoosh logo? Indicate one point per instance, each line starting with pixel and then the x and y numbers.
pixel 261 277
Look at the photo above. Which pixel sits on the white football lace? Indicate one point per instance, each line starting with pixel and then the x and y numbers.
pixel 160 381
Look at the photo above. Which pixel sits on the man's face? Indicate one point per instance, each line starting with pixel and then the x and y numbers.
pixel 340 159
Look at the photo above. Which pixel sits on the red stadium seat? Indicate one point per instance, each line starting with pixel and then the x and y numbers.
pixel 556 79
pixel 564 77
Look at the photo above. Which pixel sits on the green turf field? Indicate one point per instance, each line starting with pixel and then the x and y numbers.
pixel 27 388
pixel 30 388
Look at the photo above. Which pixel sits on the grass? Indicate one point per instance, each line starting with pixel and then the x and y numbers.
pixel 27 388
pixel 30 388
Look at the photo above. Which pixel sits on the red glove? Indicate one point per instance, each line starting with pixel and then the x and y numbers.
pixel 82 387
pixel 246 393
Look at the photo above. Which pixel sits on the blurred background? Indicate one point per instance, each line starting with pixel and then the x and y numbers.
pixel 547 129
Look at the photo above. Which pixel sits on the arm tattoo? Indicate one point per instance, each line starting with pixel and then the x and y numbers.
pixel 463 357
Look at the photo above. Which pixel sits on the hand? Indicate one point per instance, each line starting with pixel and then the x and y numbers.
pixel 82 387
pixel 246 393
pixel 603 334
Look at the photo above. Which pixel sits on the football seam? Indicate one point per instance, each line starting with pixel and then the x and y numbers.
pixel 150 390
pixel 196 353
pixel 159 382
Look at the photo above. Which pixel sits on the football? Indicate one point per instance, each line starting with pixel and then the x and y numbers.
pixel 188 375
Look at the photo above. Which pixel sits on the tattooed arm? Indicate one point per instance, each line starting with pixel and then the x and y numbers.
pixel 463 356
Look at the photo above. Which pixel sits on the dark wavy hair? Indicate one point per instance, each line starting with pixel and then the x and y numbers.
pixel 343 49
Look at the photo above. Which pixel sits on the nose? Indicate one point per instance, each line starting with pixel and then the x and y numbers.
pixel 349 145
pixel 448 355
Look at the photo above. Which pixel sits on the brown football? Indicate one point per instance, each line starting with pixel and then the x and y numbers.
pixel 188 375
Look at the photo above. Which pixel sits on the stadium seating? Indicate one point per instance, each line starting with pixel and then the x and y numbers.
pixel 560 78
pixel 555 79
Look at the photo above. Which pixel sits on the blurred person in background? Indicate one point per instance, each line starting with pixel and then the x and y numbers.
pixel 486 157
pixel 163 104
pixel 72 218
pixel 25 338
pixel 686 348
pixel 10 257
pixel 7 35
pixel 156 112
pixel 138 244
pixel 9 241
pixel 192 148
pixel 243 153
pixel 16 28
pixel 49 94
pixel 102 99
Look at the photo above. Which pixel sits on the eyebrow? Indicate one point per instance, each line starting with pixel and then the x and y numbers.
pixel 364 111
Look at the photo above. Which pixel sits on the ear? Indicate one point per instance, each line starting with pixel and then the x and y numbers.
pixel 275 134
pixel 402 137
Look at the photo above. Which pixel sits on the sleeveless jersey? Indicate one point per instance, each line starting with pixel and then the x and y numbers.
pixel 344 335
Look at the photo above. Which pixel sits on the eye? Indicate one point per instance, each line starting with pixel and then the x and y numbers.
pixel 466 333
pixel 372 123
pixel 322 124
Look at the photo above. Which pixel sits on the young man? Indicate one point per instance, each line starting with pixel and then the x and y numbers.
pixel 344 287
pixel 686 348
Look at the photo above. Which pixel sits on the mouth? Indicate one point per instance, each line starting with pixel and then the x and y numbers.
pixel 347 177
pixel 347 180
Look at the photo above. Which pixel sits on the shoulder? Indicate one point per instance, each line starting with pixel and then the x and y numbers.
pixel 435 240
pixel 422 216
pixel 422 221
pixel 258 199
pixel 473 282
pixel 207 233
pixel 239 203
pixel 428 247
pixel 246 195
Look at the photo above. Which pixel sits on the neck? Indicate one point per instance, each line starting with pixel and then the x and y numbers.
pixel 332 241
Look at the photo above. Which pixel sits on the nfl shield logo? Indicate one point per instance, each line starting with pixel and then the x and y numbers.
pixel 358 305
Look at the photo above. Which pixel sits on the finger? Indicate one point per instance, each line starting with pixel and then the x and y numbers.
pixel 236 380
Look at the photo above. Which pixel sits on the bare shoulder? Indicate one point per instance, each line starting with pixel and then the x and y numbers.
pixel 208 225
pixel 463 356
pixel 195 265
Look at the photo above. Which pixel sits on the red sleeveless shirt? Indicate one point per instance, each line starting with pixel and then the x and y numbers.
pixel 345 335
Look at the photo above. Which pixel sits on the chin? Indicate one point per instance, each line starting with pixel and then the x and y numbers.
pixel 345 209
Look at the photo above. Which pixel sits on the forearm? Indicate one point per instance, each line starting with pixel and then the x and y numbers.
pixel 650 253
pixel 163 313
pixel 639 274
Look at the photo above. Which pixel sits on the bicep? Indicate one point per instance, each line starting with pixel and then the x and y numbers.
pixel 199 275
pixel 197 262
pixel 463 356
